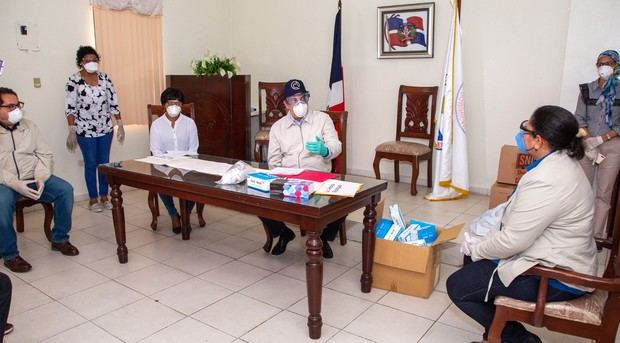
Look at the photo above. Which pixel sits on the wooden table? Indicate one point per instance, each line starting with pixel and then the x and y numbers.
pixel 311 215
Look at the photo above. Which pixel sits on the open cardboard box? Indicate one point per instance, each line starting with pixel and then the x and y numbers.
pixel 500 193
pixel 407 268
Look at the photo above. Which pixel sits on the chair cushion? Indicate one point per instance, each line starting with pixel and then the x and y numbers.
pixel 403 148
pixel 586 309
pixel 262 135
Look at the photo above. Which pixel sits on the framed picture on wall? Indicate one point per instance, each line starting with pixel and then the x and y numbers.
pixel 406 31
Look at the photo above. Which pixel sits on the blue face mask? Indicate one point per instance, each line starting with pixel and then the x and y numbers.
pixel 521 143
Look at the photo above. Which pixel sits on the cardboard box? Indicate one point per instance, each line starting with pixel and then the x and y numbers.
pixel 512 165
pixel 409 269
pixel 500 193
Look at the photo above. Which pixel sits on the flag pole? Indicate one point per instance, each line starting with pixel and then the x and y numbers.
pixel 339 4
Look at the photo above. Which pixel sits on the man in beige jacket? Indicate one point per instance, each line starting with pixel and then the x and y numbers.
pixel 26 171
pixel 307 140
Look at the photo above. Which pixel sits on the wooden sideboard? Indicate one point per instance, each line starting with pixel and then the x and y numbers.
pixel 222 112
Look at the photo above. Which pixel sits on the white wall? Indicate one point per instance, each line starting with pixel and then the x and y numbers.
pixel 513 58
pixel 593 28
pixel 190 28
pixel 517 56
pixel 63 26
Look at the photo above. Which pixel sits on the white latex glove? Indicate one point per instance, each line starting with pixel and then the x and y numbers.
pixel 592 142
pixel 120 131
pixel 591 154
pixel 21 187
pixel 467 245
pixel 72 138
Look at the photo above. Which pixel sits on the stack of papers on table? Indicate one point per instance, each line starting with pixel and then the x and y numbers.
pixel 337 187
pixel 161 160
pixel 188 163
pixel 202 166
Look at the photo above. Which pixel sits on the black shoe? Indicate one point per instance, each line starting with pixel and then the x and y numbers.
pixel 527 337
pixel 285 237
pixel 327 250
pixel 531 338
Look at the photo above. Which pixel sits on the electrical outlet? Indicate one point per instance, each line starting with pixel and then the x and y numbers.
pixel 37 82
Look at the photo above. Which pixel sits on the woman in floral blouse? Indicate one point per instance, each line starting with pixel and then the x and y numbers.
pixel 90 103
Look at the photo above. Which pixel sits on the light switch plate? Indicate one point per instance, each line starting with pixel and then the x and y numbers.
pixel 37 82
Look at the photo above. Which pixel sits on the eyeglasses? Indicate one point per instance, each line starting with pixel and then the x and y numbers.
pixel 526 130
pixel 295 99
pixel 12 107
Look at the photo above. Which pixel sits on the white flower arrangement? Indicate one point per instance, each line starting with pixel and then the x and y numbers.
pixel 215 65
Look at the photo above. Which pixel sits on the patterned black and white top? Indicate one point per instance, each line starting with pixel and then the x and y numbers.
pixel 92 106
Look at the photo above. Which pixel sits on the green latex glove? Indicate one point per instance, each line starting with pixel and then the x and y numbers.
pixel 317 147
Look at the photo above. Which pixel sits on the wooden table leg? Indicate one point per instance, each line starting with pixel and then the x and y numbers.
pixel 314 282
pixel 185 228
pixel 368 245
pixel 118 216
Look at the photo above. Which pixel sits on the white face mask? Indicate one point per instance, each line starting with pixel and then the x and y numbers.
pixel 301 109
pixel 91 67
pixel 605 72
pixel 173 110
pixel 15 116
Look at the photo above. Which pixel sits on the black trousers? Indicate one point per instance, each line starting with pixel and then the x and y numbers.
pixel 330 232
pixel 467 288
pixel 6 289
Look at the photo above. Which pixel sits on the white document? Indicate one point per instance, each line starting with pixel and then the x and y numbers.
pixel 201 166
pixel 286 171
pixel 161 160
pixel 337 187
pixel 188 163
pixel 179 153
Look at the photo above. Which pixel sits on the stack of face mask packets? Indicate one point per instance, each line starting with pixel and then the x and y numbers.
pixel 298 188
pixel 417 232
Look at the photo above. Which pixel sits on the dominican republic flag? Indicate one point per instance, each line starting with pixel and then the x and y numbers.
pixel 335 98
pixel 451 171
pixel 405 32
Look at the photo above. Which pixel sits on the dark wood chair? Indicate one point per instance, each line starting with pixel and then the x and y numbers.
pixel 418 122
pixel 595 315
pixel 339 166
pixel 22 203
pixel 154 112
pixel 274 109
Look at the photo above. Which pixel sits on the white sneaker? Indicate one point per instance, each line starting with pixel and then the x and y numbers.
pixel 96 207
pixel 107 205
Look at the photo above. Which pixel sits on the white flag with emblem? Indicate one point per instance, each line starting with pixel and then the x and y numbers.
pixel 451 175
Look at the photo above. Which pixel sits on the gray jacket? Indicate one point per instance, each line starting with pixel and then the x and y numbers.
pixel 548 222
pixel 287 141
pixel 23 155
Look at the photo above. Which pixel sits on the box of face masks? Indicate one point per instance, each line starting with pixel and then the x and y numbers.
pixel 409 268
pixel 260 181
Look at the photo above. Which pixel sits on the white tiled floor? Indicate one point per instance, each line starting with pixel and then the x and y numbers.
pixel 221 286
